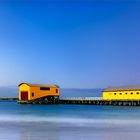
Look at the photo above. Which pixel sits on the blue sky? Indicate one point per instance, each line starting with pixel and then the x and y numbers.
pixel 75 44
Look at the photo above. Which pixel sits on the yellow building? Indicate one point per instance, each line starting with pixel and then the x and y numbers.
pixel 28 92
pixel 122 93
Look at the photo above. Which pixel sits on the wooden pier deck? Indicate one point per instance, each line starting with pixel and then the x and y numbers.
pixel 81 101
pixel 99 101
pixel 88 101
pixel 8 99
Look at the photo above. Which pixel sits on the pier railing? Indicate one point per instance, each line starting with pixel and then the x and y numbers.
pixel 82 98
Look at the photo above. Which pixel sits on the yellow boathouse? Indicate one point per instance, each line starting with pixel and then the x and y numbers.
pixel 122 93
pixel 28 92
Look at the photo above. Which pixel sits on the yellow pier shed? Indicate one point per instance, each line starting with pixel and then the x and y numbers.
pixel 28 92
pixel 122 93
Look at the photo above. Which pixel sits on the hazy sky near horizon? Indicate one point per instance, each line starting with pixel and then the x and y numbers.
pixel 70 43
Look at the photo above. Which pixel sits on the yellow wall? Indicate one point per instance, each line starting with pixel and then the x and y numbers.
pixel 37 92
pixel 41 93
pixel 123 96
pixel 23 87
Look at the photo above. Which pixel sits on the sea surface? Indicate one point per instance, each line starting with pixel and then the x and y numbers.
pixel 68 122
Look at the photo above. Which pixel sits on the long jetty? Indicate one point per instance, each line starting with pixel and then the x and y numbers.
pixel 99 101
pixel 88 101
pixel 80 101
pixel 8 99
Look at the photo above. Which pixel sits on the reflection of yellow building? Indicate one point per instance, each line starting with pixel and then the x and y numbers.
pixel 122 93
pixel 29 92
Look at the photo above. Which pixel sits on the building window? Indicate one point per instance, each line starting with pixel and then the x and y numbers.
pixel 32 94
pixel 137 92
pixel 114 93
pixel 131 92
pixel 44 88
pixel 56 90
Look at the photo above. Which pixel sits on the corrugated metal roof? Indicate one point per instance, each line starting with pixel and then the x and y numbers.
pixel 123 88
pixel 39 85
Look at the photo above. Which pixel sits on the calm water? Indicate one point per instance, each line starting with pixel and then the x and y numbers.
pixel 68 122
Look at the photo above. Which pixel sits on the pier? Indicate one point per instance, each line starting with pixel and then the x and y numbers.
pixel 80 101
pixel 99 101
pixel 86 101
pixel 8 99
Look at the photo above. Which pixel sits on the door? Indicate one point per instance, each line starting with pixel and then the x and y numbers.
pixel 24 95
